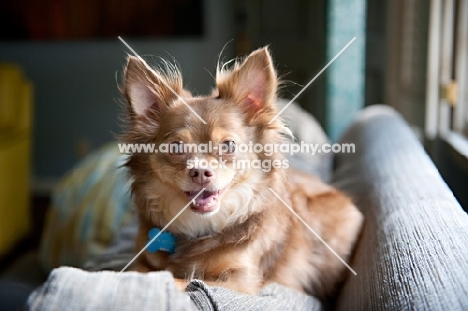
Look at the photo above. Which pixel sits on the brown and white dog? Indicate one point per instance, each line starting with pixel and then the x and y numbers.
pixel 237 233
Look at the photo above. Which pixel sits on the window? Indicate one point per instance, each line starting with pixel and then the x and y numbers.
pixel 447 73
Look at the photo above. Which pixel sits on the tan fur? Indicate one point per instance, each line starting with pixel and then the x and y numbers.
pixel 252 238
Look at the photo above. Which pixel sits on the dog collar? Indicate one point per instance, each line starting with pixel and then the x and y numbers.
pixel 165 241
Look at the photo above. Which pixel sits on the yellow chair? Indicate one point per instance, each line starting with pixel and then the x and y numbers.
pixel 16 95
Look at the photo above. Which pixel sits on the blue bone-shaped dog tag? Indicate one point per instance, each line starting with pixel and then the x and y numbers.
pixel 164 242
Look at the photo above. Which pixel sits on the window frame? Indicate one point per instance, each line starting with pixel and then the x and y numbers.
pixel 447 71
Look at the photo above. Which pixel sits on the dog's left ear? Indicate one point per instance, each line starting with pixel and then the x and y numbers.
pixel 252 84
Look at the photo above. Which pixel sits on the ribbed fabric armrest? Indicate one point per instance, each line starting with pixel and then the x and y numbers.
pixel 413 251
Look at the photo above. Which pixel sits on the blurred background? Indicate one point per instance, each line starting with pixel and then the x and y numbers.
pixel 61 62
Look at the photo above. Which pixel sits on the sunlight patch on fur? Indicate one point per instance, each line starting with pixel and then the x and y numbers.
pixel 313 231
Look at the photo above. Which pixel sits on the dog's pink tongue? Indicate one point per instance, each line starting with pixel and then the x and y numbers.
pixel 205 202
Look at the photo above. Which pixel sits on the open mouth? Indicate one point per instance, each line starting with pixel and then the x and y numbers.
pixel 206 202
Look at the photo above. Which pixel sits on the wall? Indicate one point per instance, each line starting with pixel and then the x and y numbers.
pixel 376 51
pixel 406 59
pixel 76 97
pixel 295 30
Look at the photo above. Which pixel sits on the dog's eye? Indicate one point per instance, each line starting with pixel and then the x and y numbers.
pixel 229 147
pixel 176 148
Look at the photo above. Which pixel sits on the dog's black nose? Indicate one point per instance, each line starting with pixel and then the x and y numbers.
pixel 201 175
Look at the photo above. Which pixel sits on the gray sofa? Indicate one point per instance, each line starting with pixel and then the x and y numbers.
pixel 412 253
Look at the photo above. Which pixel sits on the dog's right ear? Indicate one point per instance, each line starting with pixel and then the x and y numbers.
pixel 147 90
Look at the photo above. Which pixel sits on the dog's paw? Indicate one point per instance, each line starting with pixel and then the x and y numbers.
pixel 181 284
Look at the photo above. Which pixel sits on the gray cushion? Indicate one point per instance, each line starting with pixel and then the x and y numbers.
pixel 413 253
pixel 75 289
